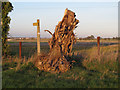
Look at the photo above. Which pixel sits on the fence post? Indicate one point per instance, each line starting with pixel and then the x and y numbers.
pixel 38 36
pixel 98 44
pixel 20 47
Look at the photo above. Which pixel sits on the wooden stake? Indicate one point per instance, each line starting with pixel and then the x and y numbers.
pixel 38 36
pixel 20 47
pixel 98 43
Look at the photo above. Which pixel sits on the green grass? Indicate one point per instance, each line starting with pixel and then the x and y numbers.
pixel 30 77
pixel 89 70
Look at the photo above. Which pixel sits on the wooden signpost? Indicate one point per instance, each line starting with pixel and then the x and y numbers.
pixel 38 36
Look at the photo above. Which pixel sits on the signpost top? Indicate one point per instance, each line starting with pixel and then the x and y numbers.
pixel 37 23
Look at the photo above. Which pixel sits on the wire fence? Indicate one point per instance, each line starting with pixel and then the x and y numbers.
pixel 30 48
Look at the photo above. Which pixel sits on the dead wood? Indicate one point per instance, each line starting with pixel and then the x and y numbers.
pixel 60 45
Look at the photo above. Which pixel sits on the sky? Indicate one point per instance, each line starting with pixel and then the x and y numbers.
pixel 63 0
pixel 96 18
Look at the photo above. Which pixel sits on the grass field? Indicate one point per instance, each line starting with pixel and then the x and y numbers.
pixel 88 71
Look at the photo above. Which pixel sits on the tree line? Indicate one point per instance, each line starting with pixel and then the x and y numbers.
pixel 91 37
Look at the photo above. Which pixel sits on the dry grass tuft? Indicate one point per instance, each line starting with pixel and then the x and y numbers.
pixel 20 62
pixel 106 60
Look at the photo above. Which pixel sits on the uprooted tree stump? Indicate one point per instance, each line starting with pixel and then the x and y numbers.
pixel 60 45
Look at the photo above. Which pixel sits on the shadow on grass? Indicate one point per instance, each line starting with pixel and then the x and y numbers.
pixel 76 61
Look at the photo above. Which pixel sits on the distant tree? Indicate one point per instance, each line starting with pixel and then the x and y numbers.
pixel 90 37
pixel 6 8
pixel 114 38
pixel 80 38
pixel 108 38
pixel 117 38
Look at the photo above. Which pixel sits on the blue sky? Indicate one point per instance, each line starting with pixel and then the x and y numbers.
pixel 96 18
pixel 64 0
